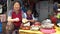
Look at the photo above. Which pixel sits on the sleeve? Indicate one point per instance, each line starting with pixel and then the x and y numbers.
pixel 9 13
pixel 34 18
pixel 24 15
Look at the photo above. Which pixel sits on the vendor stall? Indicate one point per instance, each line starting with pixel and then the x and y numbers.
pixel 38 28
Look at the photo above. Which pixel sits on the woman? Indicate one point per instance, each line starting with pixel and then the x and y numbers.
pixel 15 15
pixel 29 16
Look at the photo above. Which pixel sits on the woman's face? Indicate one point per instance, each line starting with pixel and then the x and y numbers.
pixel 29 12
pixel 16 6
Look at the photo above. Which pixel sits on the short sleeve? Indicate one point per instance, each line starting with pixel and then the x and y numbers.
pixel 34 18
pixel 9 13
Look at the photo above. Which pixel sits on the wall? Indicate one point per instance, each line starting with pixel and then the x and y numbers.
pixel 42 9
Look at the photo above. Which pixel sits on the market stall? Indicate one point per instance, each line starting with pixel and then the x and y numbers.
pixel 37 28
pixel 45 27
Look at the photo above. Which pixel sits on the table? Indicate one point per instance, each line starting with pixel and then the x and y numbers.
pixel 57 30
pixel 29 32
pixel 37 32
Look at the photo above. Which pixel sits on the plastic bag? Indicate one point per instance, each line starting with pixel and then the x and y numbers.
pixel 9 26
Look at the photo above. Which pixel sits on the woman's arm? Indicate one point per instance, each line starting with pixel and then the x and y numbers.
pixel 9 19
pixel 33 20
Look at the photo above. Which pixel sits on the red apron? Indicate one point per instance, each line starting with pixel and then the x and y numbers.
pixel 19 15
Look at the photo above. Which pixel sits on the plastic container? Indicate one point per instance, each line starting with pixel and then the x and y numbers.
pixel 47 30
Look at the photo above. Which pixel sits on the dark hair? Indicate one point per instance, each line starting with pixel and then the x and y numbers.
pixel 29 9
pixel 15 2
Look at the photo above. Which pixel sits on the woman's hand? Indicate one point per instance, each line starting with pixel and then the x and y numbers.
pixel 31 20
pixel 24 20
pixel 13 20
pixel 16 19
